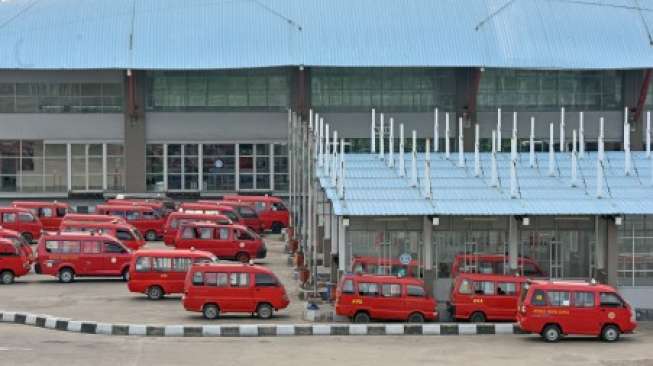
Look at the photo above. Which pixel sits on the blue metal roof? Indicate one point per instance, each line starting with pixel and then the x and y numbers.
pixel 374 189
pixel 222 34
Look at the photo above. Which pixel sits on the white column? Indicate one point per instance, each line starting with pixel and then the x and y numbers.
pixel 104 168
pixel 446 136
pixel 372 133
pixel 531 144
pixel 494 182
pixel 499 130
pixel 599 166
pixel 600 140
pixel 648 134
pixel 551 152
pixel 514 192
pixel 381 138
pixel 402 163
pixel 327 149
pixel 342 254
pixel 436 127
pixel 413 170
pixel 581 135
pixel 321 143
pixel 427 170
pixel 391 151
pixel 461 150
pixel 334 160
pixel 627 159
pixel 514 123
pixel 477 157
pixel 562 130
pixel 574 163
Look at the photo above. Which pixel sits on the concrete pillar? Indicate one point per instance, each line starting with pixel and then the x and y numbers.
pixel 513 243
pixel 342 247
pixel 429 275
pixel 334 246
pixel 135 86
pixel 612 252
pixel 600 250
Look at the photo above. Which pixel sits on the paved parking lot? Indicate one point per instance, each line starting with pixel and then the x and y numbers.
pixel 108 300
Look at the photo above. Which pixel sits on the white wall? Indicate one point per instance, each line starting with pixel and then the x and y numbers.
pixel 62 126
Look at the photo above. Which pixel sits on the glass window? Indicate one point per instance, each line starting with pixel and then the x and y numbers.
pixel 348 287
pixel 415 291
pixel 143 264
pixel 465 287
pixel 206 233
pixel 558 298
pixel 506 288
pixel 8 217
pixel 91 247
pixel 242 235
pixel 163 264
pixel 265 280
pixel 25 217
pixel 391 290
pixel 181 264
pixel 124 235
pixel 198 278
pixel 584 299
pixel 113 248
pixel 224 233
pixel 610 300
pixel 238 279
pixel 538 298
pixel 46 212
pixel 61 97
pixel 484 287
pixel 368 289
pixel 188 233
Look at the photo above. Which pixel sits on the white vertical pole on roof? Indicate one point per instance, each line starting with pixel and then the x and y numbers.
pixel 327 149
pixel 648 134
pixel 341 168
pixel 402 163
pixel 391 148
pixel 628 161
pixel 372 133
pixel 436 127
pixel 531 144
pixel 514 123
pixel 334 158
pixel 477 154
pixel 551 151
pixel 494 181
pixel 513 139
pixel 427 170
pixel 599 165
pixel 320 142
pixel 461 150
pixel 381 138
pixel 563 147
pixel 413 172
pixel 581 135
pixel 574 162
pixel 446 136
pixel 499 129
pixel 514 192
pixel 600 141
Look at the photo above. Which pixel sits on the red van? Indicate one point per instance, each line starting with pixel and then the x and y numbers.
pixel 246 213
pixel 93 218
pixel 271 210
pixel 19 242
pixel 480 297
pixel 70 255
pixel 50 213
pixel 556 308
pixel 126 233
pixel 157 273
pixel 175 218
pixel 21 220
pixel 155 205
pixel 214 289
pixel 492 263
pixel 366 297
pixel 210 209
pixel 144 218
pixel 13 261
pixel 224 241
pixel 384 266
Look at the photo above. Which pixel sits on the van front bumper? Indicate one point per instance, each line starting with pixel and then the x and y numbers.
pixel 262 252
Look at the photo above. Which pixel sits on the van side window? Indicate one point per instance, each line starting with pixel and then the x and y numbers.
pixel 538 298
pixel 188 233
pixel 45 212
pixel 242 235
pixel 530 270
pixel 173 223
pixel 415 291
pixel 8 217
pixel 162 264
pixel 610 300
pixel 348 287
pixel 61 211
pixel 117 213
pixel 149 215
pixel 465 287
pixel 391 290
pixel 239 279
pixel 558 298
pixel 506 288
pixel 198 278
pixel 368 289
pixel 259 206
pixel 124 235
pixel 143 264
pixel 181 264
pixel 113 248
pixel 265 280
pixel 132 215
pixel 278 206
pixel 584 299
pixel 224 233
pixel 206 233
pixel 247 212
pixel 484 287
pixel 91 247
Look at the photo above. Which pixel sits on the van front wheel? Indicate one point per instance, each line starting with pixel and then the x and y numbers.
pixel 610 333
pixel 155 293
pixel 150 235
pixel 477 317
pixel 264 311
pixel 7 278
pixel 66 275
pixel 361 317
pixel 416 318
pixel 551 333
pixel 211 312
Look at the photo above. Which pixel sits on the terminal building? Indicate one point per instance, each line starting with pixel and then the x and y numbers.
pixel 202 98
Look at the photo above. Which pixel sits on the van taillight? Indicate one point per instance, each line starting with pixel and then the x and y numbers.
pixel 522 309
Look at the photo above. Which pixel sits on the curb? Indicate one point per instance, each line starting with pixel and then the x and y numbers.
pixel 254 330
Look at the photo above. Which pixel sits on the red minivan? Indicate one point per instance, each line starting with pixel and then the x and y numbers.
pixel 126 233
pixel 174 219
pixel 492 263
pixel 157 273
pixel 19 241
pixel 556 308
pixel 224 241
pixel 246 213
pixel 155 205
pixel 144 218
pixel 50 213
pixel 13 261
pixel 21 220
pixel 93 218
pixel 70 255
pixel 271 210
pixel 215 289
pixel 366 297
pixel 384 266
pixel 480 297
pixel 210 209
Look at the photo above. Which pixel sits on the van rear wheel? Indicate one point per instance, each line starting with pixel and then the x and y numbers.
pixel 211 312
pixel 242 257
pixel 551 333
pixel 264 311
pixel 416 318
pixel 150 235
pixel 155 293
pixel 610 333
pixel 477 317
pixel 7 277
pixel 362 317
pixel 66 275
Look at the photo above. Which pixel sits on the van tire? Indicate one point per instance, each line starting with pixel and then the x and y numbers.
pixel 551 333
pixel 477 317
pixel 610 333
pixel 361 317
pixel 155 293
pixel 29 238
pixel 416 318
pixel 264 311
pixel 7 277
pixel 125 274
pixel 276 227
pixel 211 311
pixel 66 275
pixel 150 235
pixel 242 257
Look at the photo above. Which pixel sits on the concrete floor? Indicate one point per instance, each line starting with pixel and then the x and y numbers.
pixel 24 345
pixel 109 300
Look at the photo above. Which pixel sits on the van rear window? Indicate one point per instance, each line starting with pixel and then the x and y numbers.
pixel 368 289
pixel 559 298
pixel 538 298
pixel 62 246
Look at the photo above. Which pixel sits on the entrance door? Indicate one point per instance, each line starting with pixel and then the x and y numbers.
pixel 563 254
pixel 87 167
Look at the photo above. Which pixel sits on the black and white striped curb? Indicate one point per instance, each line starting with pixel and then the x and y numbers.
pixel 253 330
